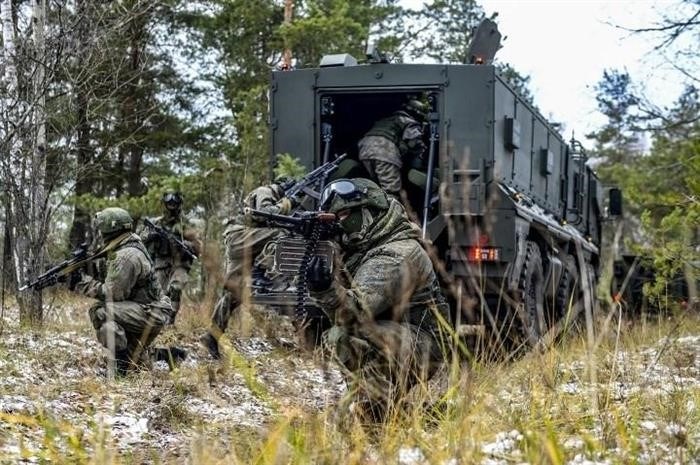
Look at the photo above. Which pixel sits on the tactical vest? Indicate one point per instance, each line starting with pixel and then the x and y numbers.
pixel 146 290
pixel 391 128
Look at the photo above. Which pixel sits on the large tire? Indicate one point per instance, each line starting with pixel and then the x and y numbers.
pixel 567 294
pixel 530 296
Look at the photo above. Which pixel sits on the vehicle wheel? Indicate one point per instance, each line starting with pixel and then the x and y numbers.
pixel 531 290
pixel 566 295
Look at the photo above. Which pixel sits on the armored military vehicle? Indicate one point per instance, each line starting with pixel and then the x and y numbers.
pixel 511 209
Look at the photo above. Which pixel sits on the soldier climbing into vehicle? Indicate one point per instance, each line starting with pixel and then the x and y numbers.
pixel 174 244
pixel 387 306
pixel 393 143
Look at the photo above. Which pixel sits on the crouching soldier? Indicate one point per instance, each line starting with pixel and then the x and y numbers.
pixel 387 306
pixel 132 308
pixel 244 243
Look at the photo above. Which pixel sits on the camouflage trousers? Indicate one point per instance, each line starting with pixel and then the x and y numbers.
pixel 172 280
pixel 382 160
pixel 128 325
pixel 244 247
pixel 382 361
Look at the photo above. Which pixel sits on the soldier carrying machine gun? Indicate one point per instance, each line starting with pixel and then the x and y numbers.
pixel 294 256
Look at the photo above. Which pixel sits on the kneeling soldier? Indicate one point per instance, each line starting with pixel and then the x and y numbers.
pixel 387 306
pixel 132 307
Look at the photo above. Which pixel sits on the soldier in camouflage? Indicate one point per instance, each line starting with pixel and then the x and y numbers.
pixel 244 242
pixel 132 307
pixel 385 148
pixel 388 307
pixel 172 266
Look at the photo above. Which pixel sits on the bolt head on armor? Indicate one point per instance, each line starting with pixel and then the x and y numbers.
pixel 112 220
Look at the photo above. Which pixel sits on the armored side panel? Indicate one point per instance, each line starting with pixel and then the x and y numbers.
pixel 529 154
pixel 292 115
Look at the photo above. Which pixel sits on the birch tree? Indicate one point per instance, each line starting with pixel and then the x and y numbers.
pixel 24 148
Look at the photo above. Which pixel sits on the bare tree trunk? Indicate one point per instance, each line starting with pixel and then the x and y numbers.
pixel 85 177
pixel 24 170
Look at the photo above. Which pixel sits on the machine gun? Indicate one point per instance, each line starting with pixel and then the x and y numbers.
pixel 317 176
pixel 186 249
pixel 79 258
pixel 305 224
pixel 292 258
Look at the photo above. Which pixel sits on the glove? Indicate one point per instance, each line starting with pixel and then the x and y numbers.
pixel 285 205
pixel 318 275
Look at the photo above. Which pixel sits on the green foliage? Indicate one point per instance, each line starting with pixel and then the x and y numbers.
pixel 661 187
pixel 288 166
pixel 445 31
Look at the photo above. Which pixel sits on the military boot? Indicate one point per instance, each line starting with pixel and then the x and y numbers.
pixel 122 362
pixel 171 355
pixel 212 345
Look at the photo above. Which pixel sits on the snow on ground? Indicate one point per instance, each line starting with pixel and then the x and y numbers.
pixel 54 396
pixel 56 381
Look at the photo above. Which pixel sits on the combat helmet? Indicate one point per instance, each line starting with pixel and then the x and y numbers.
pixel 416 109
pixel 113 220
pixel 358 204
pixel 346 194
pixel 172 200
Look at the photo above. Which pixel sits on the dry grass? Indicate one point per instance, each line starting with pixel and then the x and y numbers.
pixel 635 402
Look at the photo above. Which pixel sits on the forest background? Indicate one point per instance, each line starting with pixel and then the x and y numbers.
pixel 111 103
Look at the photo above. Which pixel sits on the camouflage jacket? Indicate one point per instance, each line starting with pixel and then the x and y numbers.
pixel 388 277
pixel 129 277
pixel 265 198
pixel 167 253
pixel 403 131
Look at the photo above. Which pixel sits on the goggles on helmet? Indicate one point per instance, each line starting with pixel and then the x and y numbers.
pixel 346 190
pixel 170 197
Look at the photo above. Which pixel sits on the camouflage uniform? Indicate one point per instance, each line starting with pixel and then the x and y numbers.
pixel 132 307
pixel 385 147
pixel 172 266
pixel 386 333
pixel 245 245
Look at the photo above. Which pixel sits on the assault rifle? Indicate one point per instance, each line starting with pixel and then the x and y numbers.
pixel 186 249
pixel 317 176
pixel 79 258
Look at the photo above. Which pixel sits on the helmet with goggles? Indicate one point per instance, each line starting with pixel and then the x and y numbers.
pixel 345 194
pixel 172 200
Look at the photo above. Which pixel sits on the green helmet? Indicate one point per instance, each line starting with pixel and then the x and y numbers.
pixel 112 220
pixel 346 194
pixel 172 201
pixel 416 109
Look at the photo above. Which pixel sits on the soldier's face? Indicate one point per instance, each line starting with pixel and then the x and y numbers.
pixel 355 223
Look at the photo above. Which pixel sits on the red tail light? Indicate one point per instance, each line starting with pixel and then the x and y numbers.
pixel 483 254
